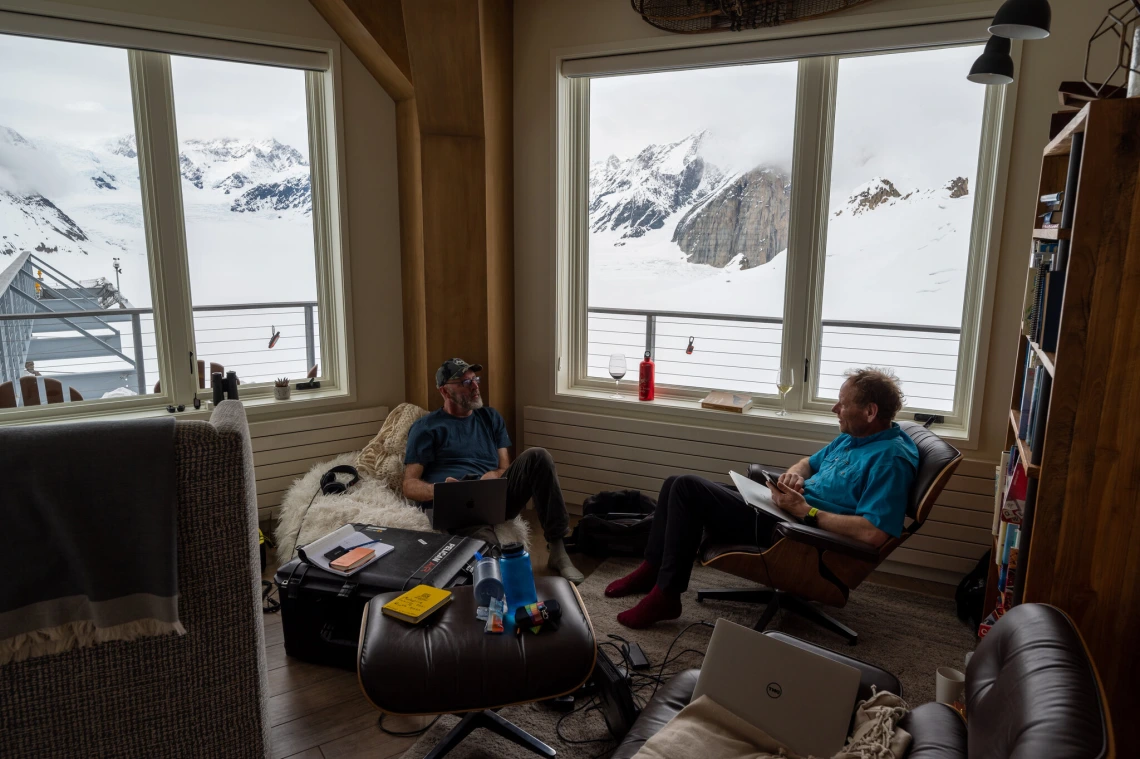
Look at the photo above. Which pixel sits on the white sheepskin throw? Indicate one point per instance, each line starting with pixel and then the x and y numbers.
pixel 369 501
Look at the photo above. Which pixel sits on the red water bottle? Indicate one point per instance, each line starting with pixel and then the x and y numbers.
pixel 645 379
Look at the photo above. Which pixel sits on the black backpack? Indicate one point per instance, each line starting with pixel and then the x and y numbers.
pixel 614 523
pixel 971 594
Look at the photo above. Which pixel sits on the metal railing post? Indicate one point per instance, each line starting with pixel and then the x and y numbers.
pixel 140 369
pixel 310 343
pixel 650 334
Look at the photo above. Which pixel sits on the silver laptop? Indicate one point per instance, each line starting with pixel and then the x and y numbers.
pixel 758 496
pixel 800 698
pixel 469 503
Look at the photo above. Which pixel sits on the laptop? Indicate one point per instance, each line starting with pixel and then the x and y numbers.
pixel 469 503
pixel 800 698
pixel 758 497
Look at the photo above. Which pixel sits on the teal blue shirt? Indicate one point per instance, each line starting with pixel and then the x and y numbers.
pixel 868 477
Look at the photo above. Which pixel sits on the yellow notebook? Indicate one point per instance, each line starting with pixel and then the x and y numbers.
pixel 417 604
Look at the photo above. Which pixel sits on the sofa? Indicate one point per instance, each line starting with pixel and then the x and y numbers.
pixel 199 694
pixel 1031 691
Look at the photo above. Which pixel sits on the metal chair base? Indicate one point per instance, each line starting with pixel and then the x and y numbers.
pixel 488 719
pixel 779 599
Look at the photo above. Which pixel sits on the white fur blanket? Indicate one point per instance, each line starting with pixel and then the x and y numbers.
pixel 369 501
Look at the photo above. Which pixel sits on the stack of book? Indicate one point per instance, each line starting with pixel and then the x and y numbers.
pixel 1035 390
pixel 1037 287
pixel 1009 505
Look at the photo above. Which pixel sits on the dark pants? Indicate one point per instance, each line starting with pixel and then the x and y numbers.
pixel 531 477
pixel 687 508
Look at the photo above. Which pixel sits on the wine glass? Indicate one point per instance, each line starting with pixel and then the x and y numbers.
pixel 617 369
pixel 785 380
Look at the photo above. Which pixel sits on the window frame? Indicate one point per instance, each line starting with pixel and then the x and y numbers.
pixel 811 172
pixel 149 43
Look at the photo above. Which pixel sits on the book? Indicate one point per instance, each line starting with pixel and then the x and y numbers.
pixel 1026 396
pixel 999 488
pixel 326 550
pixel 352 559
pixel 720 400
pixel 417 604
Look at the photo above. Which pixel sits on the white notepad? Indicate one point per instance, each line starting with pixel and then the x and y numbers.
pixel 347 537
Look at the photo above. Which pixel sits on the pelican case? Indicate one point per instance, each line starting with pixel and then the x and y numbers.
pixel 321 612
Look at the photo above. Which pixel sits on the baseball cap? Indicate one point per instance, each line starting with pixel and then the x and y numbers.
pixel 453 369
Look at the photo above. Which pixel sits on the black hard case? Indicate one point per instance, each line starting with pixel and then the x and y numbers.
pixel 321 612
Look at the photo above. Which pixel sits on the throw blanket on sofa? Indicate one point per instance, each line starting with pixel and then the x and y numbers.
pixel 706 729
pixel 89 515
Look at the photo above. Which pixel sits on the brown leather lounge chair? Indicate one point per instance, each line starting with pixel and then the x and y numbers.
pixel 806 564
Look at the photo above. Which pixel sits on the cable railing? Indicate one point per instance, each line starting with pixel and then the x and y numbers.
pixel 742 353
pixel 114 351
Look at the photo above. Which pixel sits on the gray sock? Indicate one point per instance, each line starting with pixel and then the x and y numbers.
pixel 560 562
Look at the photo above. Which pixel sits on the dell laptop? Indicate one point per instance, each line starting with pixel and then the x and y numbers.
pixel 469 503
pixel 800 698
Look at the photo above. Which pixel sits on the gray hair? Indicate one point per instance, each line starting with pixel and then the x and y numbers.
pixel 880 386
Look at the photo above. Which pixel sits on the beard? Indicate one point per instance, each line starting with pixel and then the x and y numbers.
pixel 466 402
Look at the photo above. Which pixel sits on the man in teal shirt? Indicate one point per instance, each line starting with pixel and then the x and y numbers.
pixel 856 486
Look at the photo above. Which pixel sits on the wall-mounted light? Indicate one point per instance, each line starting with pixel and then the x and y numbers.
pixel 994 66
pixel 1022 20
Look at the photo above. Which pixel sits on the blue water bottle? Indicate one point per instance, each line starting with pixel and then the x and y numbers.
pixel 518 579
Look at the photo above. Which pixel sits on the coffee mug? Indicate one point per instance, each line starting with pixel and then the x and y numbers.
pixel 949 685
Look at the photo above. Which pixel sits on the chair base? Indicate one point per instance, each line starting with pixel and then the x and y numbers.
pixel 491 721
pixel 779 599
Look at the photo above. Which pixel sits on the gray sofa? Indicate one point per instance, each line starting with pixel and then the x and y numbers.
pixel 200 694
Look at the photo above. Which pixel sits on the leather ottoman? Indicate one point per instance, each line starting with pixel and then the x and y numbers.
pixel 448 665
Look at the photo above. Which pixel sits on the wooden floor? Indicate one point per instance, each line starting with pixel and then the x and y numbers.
pixel 319 712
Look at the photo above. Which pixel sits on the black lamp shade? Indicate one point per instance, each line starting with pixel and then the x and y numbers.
pixel 1022 20
pixel 994 66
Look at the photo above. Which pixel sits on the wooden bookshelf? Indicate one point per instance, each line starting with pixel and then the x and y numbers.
pixel 1082 513
pixel 1031 470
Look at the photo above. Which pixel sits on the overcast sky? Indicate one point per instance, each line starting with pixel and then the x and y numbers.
pixel 81 95
pixel 910 117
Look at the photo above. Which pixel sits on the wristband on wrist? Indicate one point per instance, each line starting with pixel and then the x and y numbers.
pixel 810 519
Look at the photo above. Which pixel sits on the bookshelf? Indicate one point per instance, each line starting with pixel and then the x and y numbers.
pixel 1079 543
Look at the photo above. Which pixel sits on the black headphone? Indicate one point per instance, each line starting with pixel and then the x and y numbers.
pixel 330 485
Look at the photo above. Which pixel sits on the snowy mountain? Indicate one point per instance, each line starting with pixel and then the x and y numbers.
pixel 62 198
pixel 638 194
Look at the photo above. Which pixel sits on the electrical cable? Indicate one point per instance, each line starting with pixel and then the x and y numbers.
pixel 408 733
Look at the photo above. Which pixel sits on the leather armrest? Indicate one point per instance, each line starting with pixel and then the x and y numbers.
pixel 670 699
pixel 756 472
pixel 937 732
pixel 827 541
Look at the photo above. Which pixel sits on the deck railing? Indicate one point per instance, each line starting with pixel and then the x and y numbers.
pixel 742 353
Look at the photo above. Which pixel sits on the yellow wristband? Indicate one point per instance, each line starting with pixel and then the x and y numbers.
pixel 812 512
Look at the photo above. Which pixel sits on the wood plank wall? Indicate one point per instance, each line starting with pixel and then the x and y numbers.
pixel 285 450
pixel 596 453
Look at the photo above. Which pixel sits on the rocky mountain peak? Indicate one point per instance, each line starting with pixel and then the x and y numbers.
pixel 747 218
pixel 959 187
pixel 871 195
pixel 12 137
pixel 124 146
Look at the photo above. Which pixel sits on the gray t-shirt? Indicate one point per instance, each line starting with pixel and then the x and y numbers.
pixel 452 446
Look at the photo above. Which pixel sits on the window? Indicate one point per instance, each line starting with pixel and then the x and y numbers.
pixel 177 210
pixel 747 216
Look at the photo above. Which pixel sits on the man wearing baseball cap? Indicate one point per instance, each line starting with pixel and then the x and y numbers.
pixel 464 439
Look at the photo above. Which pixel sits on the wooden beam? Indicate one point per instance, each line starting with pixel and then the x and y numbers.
pixel 365 41
pixel 444 46
pixel 496 25
pixel 418 387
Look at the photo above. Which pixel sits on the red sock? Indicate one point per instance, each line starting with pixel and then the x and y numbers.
pixel 640 580
pixel 658 606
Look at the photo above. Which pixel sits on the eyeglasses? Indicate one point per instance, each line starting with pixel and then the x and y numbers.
pixel 467 383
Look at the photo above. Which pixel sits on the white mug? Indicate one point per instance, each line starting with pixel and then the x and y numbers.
pixel 949 685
